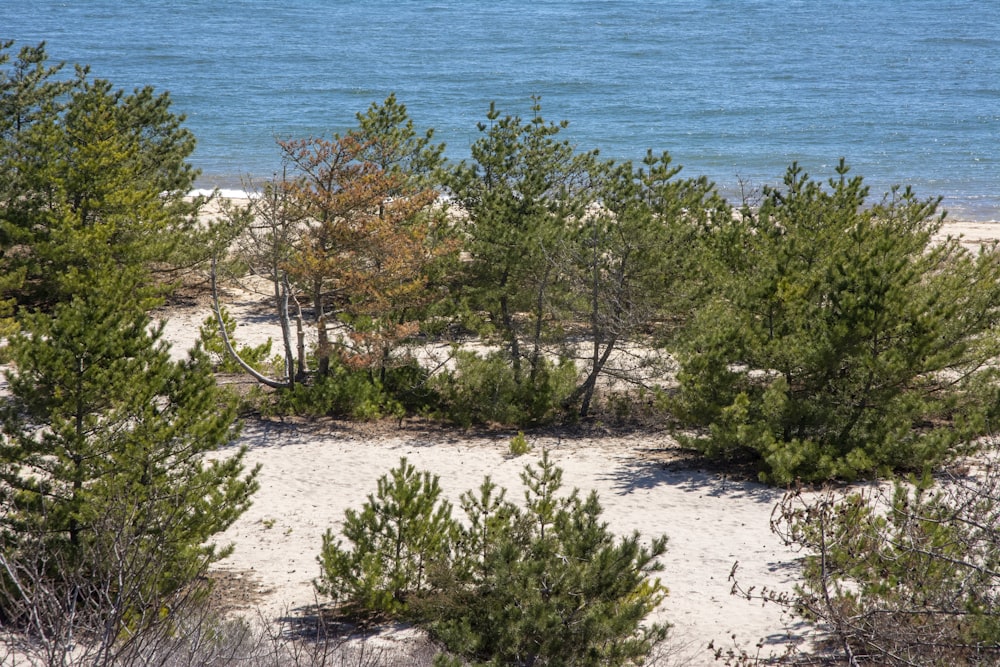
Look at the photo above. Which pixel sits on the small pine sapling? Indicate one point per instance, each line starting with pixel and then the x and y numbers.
pixel 400 531
pixel 519 445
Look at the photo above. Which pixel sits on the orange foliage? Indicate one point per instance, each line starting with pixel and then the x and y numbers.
pixel 365 254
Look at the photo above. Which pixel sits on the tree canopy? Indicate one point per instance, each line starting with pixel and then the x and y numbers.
pixel 88 174
pixel 104 485
pixel 817 334
pixel 108 500
pixel 841 339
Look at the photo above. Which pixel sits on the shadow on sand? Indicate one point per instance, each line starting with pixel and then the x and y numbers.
pixel 690 474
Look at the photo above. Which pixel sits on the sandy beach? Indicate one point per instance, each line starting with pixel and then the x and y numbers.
pixel 314 470
pixel 562 182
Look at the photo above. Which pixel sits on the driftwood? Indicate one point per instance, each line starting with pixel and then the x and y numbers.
pixel 292 374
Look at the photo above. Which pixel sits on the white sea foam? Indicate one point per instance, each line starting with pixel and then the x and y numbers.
pixel 227 193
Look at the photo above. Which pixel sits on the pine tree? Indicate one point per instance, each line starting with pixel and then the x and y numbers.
pixel 109 501
pixel 352 227
pixel 371 241
pixel 403 529
pixel 519 196
pixel 87 169
pixel 392 143
pixel 547 584
pixel 29 94
pixel 842 339
pixel 544 584
pixel 630 263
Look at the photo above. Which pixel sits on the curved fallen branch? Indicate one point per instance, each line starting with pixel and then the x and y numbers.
pixel 257 375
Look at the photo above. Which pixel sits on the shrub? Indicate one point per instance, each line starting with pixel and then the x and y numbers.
pixel 358 393
pixel 841 340
pixel 110 496
pixel 398 533
pixel 519 444
pixel 546 584
pixel 900 575
pixel 211 341
pixel 409 384
pixel 343 392
pixel 483 389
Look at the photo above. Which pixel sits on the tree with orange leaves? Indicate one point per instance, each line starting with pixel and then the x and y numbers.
pixel 372 234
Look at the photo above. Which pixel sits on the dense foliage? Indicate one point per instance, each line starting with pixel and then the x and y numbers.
pixel 483 389
pixel 107 501
pixel 403 529
pixel 840 339
pixel 88 175
pixel 546 583
pixel 816 335
pixel 519 197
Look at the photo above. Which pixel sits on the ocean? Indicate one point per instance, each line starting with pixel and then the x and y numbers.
pixel 908 91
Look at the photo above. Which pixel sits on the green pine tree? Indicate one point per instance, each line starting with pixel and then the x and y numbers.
pixel 394 146
pixel 403 529
pixel 548 584
pixel 544 584
pixel 29 94
pixel 842 339
pixel 109 502
pixel 519 196
pixel 630 262
pixel 87 171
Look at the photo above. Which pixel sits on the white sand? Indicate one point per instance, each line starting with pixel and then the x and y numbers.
pixel 313 471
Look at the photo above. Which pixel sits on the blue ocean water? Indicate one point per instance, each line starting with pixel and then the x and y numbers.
pixel 908 92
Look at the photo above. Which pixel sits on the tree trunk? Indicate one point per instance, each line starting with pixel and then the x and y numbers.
pixel 515 347
pixel 263 379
